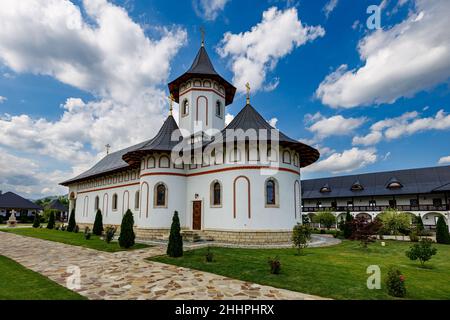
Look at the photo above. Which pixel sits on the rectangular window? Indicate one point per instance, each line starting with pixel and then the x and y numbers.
pixel 372 203
pixel 437 202
pixel 350 203
pixel 414 202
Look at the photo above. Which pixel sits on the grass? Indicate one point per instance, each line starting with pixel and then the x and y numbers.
pixel 337 272
pixel 20 283
pixel 75 239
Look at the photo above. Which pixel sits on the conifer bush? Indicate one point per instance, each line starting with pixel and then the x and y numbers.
pixel 72 222
pixel 51 221
pixel 127 236
pixel 442 234
pixel 37 220
pixel 98 224
pixel 175 246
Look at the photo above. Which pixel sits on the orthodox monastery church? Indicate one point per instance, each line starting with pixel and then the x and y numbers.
pixel 235 183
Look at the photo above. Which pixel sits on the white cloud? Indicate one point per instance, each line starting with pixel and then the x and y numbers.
pixel 336 125
pixel 444 160
pixel 209 9
pixel 273 122
pixel 412 56
pixel 329 7
pixel 2 99
pixel 228 118
pixel 407 124
pixel 256 52
pixel 102 51
pixel 347 161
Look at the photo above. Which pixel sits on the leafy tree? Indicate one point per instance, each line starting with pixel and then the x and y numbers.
pixel 394 222
pixel 175 246
pixel 51 221
pixel 364 231
pixel 301 236
pixel 37 220
pixel 72 223
pixel 325 218
pixel 422 251
pixel 127 236
pixel 442 234
pixel 98 224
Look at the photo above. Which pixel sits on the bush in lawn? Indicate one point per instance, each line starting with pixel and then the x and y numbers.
pixel 305 219
pixel 36 221
pixel 346 226
pixel 325 218
pixel 72 223
pixel 175 246
pixel 275 265
pixel 98 224
pixel 422 251
pixel 87 233
pixel 63 227
pixel 442 235
pixel 76 229
pixel 209 256
pixel 395 282
pixel 127 236
pixel 301 235
pixel 110 231
pixel 365 231
pixel 414 236
pixel 51 221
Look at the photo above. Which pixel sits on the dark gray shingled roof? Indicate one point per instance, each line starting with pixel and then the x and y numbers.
pixel 112 162
pixel 202 67
pixel 249 118
pixel 414 181
pixel 10 200
pixel 57 205
pixel 161 142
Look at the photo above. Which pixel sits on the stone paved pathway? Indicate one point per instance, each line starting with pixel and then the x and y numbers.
pixel 126 275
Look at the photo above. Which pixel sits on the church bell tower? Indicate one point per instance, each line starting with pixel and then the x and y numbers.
pixel 202 95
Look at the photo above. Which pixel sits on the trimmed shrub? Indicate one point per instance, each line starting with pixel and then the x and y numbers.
pixel 175 246
pixel 36 221
pixel 209 256
pixel 87 233
pixel 76 229
pixel 442 234
pixel 395 282
pixel 301 235
pixel 419 225
pixel 109 233
pixel 275 265
pixel 72 222
pixel 422 251
pixel 347 226
pixel 98 224
pixel 51 221
pixel 127 236
pixel 414 236
pixel 63 227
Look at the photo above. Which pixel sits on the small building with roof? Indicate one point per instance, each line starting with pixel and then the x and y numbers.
pixel 10 202
pixel 423 192
pixel 61 209
pixel 234 183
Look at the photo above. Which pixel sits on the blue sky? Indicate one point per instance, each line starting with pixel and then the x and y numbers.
pixel 77 75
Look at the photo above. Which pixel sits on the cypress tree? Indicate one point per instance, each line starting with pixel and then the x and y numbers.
pixel 36 221
pixel 442 234
pixel 419 224
pixel 175 246
pixel 348 225
pixel 127 236
pixel 72 223
pixel 51 221
pixel 98 224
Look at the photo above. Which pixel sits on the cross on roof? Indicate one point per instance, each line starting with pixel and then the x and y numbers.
pixel 171 100
pixel 108 146
pixel 247 85
pixel 202 32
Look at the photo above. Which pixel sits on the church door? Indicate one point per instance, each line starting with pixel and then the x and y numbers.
pixel 197 215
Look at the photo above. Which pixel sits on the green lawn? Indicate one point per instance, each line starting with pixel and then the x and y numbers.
pixel 20 283
pixel 337 272
pixel 75 239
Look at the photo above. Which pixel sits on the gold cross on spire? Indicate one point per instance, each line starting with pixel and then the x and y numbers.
pixel 171 100
pixel 247 85
pixel 202 32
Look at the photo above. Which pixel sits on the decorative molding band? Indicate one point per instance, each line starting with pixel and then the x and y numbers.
pixel 202 89
pixel 108 188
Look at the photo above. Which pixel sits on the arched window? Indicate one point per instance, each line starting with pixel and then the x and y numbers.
pixel 216 194
pixel 287 157
pixel 219 109
pixel 97 203
pixel 164 161
pixel 150 162
pixel 271 192
pixel 185 108
pixel 160 195
pixel 114 201
pixel 136 200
